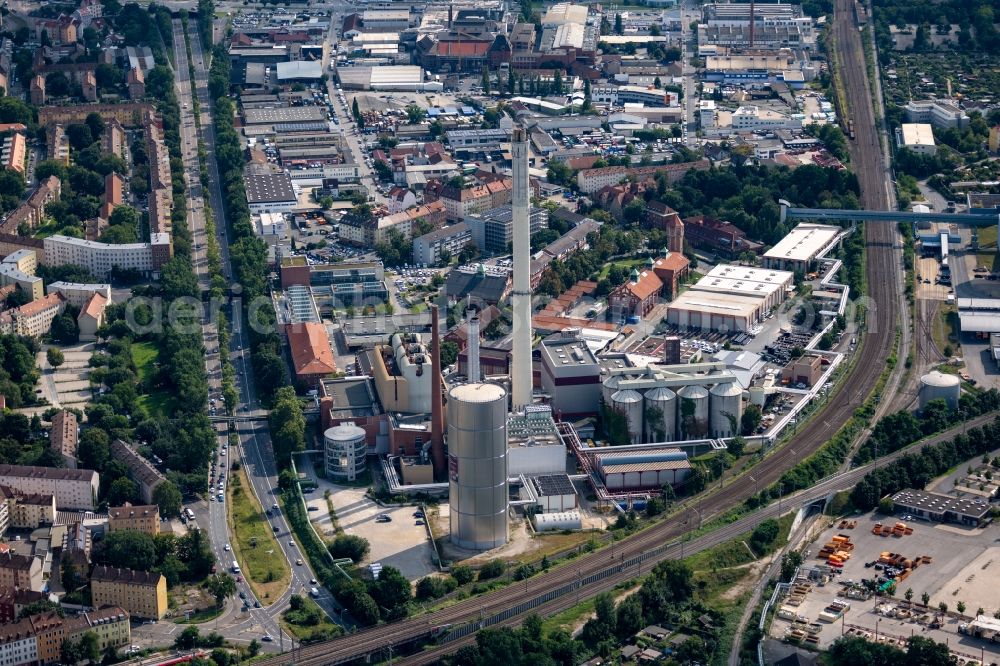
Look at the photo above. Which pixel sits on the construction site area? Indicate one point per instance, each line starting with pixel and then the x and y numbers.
pixel 858 574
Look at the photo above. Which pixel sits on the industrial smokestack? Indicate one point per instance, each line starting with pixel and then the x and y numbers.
pixel 521 298
pixel 437 408
pixel 473 347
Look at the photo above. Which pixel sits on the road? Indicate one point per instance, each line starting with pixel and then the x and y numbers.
pixel 254 450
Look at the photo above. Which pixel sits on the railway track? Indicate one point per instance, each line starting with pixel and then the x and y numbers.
pixel 593 573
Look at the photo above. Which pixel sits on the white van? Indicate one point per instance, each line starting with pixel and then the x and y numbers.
pixel 236 567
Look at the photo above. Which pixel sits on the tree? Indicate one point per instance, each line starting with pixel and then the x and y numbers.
pixel 415 113
pixel 79 136
pixel 356 112
pixel 619 29
pixel 221 586
pixel 54 356
pixel 122 490
pixel 94 449
pixel 925 598
pixel 188 639
pixel 391 592
pixel 492 569
pixel 960 607
pixel 351 546
pixel 168 498
pixel 96 124
pixel 64 329
pixel 485 80
pixel 586 95
pixel 764 535
pixel 128 549
pixel 449 353
pixel 254 648
pixel 908 595
pixel 750 420
pixel 288 425
pixel 886 506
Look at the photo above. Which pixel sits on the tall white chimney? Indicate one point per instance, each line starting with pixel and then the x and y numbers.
pixel 473 347
pixel 521 298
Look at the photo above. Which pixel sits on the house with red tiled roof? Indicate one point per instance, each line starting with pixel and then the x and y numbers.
pixel 637 296
pixel 312 355
pixel 91 317
pixel 399 199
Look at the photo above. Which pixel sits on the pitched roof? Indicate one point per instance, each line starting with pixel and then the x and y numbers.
pixel 130 576
pixel 461 48
pixel 55 473
pixel 647 285
pixel 310 347
pixel 41 304
pixel 95 306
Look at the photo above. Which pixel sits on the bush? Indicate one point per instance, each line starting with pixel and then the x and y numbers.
pixel 463 574
pixel 433 587
pixel 492 569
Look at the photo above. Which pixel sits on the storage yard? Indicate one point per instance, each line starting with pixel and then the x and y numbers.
pixel 949 563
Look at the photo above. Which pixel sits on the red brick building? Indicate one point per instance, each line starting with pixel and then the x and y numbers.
pixel 637 296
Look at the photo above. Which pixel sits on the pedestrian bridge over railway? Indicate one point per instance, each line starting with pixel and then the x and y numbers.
pixel 977 217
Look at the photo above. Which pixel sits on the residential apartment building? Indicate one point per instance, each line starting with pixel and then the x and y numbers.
pixel 130 114
pixel 57 143
pixel 113 140
pixel 460 202
pixel 18 644
pixel 368 233
pixel 111 625
pixel 102 258
pixel 141 518
pixel 142 593
pixel 14 599
pixel 136 82
pixel 37 91
pixel 140 470
pixel 63 436
pixel 941 113
pixel 23 571
pixel 88 86
pixel 30 284
pixel 91 317
pixel 29 512
pixel 78 293
pixel 13 152
pixel 591 180
pixel 430 248
pixel 492 230
pixel 32 319
pixel 73 488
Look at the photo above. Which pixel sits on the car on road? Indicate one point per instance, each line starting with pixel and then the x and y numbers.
pixel 256 604
pixel 312 581
pixel 266 639
pixel 291 544
pixel 243 595
pixel 274 528
pixel 420 522
pixel 383 518
pixel 226 548
pixel 299 562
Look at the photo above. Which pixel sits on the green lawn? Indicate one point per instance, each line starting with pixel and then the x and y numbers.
pixel 255 547
pixel 309 624
pixel 626 263
pixel 146 356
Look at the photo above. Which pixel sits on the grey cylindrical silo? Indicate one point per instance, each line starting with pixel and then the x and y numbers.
pixel 692 412
pixel 610 386
pixel 661 428
pixel 629 403
pixel 726 406
pixel 477 465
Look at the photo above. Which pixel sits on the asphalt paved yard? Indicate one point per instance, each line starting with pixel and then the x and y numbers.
pixel 400 543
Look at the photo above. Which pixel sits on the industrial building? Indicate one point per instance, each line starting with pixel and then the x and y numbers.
pixel 534 445
pixel 643 470
pixel 664 403
pixel 477 467
pixel 775 25
pixel 571 375
pixel 402 371
pixel 716 312
pixel 345 448
pixel 918 137
pixel 493 230
pixel 551 492
pixel 799 249
pixel 979 316
pixel 941 508
pixel 942 113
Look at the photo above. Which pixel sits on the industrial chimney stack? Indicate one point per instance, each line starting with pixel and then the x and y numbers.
pixel 473 347
pixel 521 297
pixel 437 408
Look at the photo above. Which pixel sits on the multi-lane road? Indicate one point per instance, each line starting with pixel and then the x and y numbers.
pixel 254 450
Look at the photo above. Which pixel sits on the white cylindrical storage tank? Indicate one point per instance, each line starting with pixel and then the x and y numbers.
pixel 344 450
pixel 561 520
pixel 661 415
pixel 726 406
pixel 610 386
pixel 477 465
pixel 629 403
pixel 940 386
pixel 758 396
pixel 692 412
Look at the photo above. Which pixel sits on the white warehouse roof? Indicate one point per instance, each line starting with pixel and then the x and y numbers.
pixel 803 242
pixel 299 69
pixel 917 134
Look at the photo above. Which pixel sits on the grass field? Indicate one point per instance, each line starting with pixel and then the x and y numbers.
pixel 146 357
pixel 626 264
pixel 309 624
pixel 256 549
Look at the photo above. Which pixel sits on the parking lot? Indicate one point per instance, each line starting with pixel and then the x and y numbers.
pixel 964 567
pixel 399 542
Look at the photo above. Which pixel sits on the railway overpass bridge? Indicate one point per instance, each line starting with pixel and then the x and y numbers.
pixel 977 217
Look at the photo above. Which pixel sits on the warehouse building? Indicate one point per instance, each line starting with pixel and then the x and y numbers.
pixel 727 313
pixel 397 77
pixel 553 492
pixel 270 192
pixel 799 249
pixel 772 286
pixel 918 137
pixel 980 316
pixel 646 470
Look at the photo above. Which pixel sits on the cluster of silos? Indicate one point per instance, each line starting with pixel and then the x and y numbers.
pixel 661 414
pixel 477 465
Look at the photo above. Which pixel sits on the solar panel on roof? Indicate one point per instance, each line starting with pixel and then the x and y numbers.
pixel 554 484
